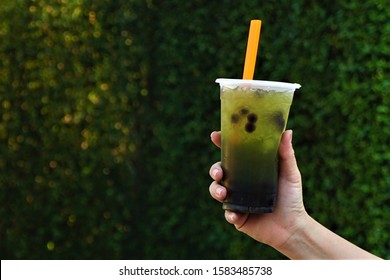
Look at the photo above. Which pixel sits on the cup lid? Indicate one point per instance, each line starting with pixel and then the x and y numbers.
pixel 269 85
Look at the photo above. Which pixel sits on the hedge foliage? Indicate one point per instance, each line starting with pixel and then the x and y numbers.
pixel 107 107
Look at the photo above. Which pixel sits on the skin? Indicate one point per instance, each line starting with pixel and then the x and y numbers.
pixel 289 229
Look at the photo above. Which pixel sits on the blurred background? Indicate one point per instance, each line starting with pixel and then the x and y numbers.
pixel 107 107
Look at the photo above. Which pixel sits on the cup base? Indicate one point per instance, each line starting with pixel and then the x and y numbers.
pixel 246 209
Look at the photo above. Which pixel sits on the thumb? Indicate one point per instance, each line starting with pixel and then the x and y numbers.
pixel 288 168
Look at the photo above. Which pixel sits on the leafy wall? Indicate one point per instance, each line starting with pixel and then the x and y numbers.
pixel 107 107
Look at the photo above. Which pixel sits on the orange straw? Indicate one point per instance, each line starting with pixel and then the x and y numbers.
pixel 251 49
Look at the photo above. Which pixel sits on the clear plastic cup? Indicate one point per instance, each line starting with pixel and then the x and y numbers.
pixel 253 117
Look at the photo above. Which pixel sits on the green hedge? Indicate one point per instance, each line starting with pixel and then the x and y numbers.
pixel 107 107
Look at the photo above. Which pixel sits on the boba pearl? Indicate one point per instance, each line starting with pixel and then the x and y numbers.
pixel 235 118
pixel 244 111
pixel 250 127
pixel 252 118
pixel 279 120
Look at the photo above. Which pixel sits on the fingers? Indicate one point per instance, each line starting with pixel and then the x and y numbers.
pixel 217 191
pixel 237 219
pixel 216 171
pixel 216 138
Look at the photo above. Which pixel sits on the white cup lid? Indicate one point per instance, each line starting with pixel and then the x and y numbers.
pixel 268 85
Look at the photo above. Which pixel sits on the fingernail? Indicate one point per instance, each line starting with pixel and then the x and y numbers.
pixel 215 172
pixel 231 216
pixel 219 191
pixel 211 135
pixel 290 135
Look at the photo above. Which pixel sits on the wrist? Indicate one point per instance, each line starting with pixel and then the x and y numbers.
pixel 297 235
pixel 311 240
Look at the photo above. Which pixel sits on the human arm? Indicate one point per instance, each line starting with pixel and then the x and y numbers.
pixel 289 229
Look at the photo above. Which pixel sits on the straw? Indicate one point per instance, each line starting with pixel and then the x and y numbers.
pixel 251 49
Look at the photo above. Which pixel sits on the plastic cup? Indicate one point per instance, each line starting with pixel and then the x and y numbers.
pixel 253 117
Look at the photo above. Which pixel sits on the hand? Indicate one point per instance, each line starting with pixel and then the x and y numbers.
pixel 289 215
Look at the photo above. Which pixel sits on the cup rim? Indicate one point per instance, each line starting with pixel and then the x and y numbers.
pixel 269 85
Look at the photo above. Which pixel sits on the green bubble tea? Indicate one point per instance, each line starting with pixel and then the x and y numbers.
pixel 253 117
